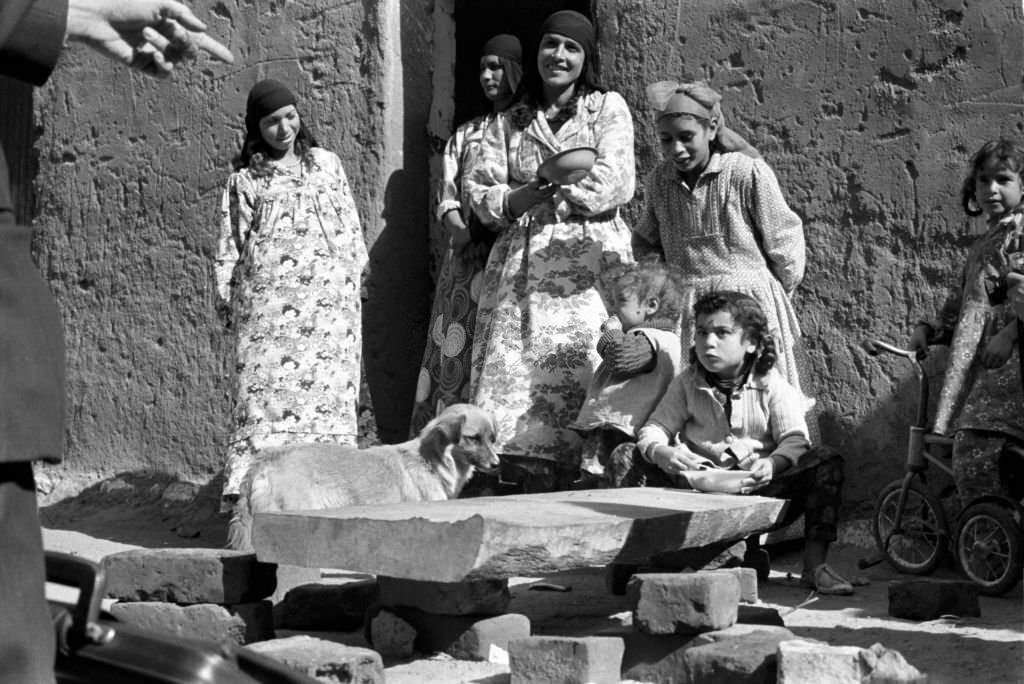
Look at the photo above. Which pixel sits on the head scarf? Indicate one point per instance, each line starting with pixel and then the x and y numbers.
pixel 669 98
pixel 576 26
pixel 266 97
pixel 509 52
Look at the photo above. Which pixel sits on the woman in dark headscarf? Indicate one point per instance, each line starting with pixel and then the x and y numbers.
pixel 289 270
pixel 542 303
pixel 444 376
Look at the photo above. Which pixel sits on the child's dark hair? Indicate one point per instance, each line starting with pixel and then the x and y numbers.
pixel 1003 152
pixel 254 152
pixel 747 314
pixel 648 278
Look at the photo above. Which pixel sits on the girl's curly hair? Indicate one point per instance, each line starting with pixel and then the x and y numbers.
pixel 747 314
pixel 1002 152
pixel 648 278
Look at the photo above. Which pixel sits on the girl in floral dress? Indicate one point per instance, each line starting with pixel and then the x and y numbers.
pixel 289 267
pixel 542 303
pixel 444 375
pixel 714 208
pixel 981 404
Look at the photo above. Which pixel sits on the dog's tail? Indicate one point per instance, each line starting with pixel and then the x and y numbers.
pixel 240 526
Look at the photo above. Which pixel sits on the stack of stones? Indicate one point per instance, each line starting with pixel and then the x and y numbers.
pixel 213 594
pixel 467 620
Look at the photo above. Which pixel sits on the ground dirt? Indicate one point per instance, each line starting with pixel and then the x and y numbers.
pixel 954 650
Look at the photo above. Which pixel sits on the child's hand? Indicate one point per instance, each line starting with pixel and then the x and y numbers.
pixel 613 323
pixel 761 473
pixel 998 350
pixel 919 338
pixel 675 460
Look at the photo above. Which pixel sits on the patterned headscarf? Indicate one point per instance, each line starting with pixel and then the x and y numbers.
pixel 670 98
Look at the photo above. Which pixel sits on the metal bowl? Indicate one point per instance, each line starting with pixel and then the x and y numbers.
pixel 720 481
pixel 568 166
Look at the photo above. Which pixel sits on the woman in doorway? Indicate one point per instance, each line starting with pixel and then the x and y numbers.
pixel 444 375
pixel 289 268
pixel 542 300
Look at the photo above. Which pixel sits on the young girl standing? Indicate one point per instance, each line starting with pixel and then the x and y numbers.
pixel 444 375
pixel 731 408
pixel 715 209
pixel 980 403
pixel 289 267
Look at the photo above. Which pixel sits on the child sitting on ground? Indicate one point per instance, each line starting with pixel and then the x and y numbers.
pixel 732 409
pixel 640 356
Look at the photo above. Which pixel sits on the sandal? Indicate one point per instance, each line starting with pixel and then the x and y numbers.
pixel 827 581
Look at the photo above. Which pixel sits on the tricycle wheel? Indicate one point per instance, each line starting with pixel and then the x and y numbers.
pixel 919 545
pixel 990 547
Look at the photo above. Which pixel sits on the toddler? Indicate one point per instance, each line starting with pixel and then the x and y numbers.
pixel 640 355
pixel 730 408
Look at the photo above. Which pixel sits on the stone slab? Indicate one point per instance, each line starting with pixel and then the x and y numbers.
pixel 188 575
pixel 242 623
pixel 510 536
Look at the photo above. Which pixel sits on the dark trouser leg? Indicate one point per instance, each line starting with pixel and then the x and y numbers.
pixel 27 646
pixel 814 488
pixel 976 463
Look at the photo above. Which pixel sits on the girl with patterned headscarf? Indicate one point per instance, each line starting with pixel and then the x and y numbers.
pixel 715 209
pixel 444 375
pixel 541 305
pixel 289 275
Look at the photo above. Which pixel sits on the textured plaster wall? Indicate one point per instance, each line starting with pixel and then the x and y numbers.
pixel 127 190
pixel 868 111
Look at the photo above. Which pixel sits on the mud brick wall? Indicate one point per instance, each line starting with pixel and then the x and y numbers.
pixel 867 110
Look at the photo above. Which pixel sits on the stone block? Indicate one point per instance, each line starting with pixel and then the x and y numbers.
pixel 747 577
pixel 928 599
pixel 587 660
pixel 331 607
pixel 806 662
pixel 187 576
pixel 466 637
pixel 888 666
pixel 525 535
pixel 473 597
pixel 748 658
pixel 240 623
pixel 683 603
pixel 391 635
pixel 326 661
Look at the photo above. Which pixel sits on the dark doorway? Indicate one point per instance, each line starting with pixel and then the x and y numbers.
pixel 476 22
pixel 16 140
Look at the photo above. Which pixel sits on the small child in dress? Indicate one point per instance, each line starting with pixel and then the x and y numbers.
pixel 640 356
pixel 980 404
pixel 730 408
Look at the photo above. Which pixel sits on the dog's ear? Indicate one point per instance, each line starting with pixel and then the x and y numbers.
pixel 444 430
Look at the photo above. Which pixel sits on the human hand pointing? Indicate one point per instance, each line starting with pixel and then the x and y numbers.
pixel 149 35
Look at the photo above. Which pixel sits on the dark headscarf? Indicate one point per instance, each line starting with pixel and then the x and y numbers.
pixel 266 97
pixel 509 52
pixel 574 25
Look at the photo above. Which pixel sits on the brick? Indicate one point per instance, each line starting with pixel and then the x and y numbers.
pixel 749 658
pixel 888 666
pixel 468 637
pixel 333 607
pixel 188 576
pixel 587 660
pixel 326 661
pixel 747 577
pixel 683 603
pixel 241 624
pixel 474 597
pixel 927 599
pixel 805 662
pixel 391 635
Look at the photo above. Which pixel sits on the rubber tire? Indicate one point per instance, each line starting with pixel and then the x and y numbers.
pixel 889 498
pixel 1012 539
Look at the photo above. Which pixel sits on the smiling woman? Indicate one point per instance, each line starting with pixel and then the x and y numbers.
pixel 541 304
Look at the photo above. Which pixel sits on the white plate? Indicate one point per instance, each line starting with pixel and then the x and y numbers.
pixel 719 481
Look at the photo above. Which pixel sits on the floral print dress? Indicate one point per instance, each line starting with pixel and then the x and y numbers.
pixel 732 231
pixel 444 374
pixel 542 301
pixel 289 265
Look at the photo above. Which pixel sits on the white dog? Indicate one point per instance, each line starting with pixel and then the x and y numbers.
pixel 432 467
